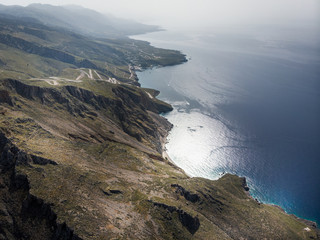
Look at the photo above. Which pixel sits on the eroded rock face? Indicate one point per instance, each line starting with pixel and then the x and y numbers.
pixel 5 97
pixel 22 215
pixel 142 99
pixel 45 95
pixel 188 221
pixel 244 184
pixel 127 108
pixel 192 197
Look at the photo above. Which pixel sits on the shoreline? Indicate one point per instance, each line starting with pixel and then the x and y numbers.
pixel 165 156
pixel 163 140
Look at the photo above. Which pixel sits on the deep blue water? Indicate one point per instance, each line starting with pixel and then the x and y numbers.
pixel 247 104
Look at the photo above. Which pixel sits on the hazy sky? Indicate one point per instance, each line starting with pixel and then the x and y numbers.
pixel 200 13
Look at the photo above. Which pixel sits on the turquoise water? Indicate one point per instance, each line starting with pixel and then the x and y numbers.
pixel 246 104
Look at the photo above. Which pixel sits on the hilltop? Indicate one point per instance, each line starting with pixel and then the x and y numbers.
pixel 81 149
pixel 76 18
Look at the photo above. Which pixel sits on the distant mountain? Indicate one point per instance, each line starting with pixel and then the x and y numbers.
pixel 79 19
pixel 30 49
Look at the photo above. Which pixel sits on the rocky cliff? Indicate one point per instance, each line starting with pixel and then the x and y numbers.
pixel 22 215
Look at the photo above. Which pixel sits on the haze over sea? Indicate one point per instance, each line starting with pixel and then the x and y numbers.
pixel 246 102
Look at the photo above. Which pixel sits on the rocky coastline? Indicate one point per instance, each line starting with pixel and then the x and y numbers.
pixel 95 166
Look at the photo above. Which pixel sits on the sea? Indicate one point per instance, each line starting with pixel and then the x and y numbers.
pixel 247 102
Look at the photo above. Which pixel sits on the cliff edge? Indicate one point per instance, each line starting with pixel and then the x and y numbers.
pixel 77 164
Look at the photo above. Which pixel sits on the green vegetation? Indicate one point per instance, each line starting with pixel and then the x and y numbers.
pixel 30 50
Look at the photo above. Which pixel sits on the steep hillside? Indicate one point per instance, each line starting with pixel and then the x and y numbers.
pixel 29 49
pixel 95 162
pixel 83 20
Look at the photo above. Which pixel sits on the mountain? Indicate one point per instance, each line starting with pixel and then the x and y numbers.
pixel 76 18
pixel 30 49
pixel 82 148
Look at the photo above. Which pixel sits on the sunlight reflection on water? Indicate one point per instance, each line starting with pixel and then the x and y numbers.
pixel 242 108
pixel 195 143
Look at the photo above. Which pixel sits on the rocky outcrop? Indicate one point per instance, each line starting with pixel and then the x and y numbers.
pixel 244 184
pixel 49 96
pixel 127 107
pixel 188 221
pixel 22 215
pixel 34 207
pixel 192 197
pixel 86 96
pixel 5 97
pixel 142 99
pixel 45 95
